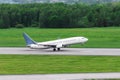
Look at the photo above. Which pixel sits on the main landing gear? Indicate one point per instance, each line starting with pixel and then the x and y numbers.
pixel 57 49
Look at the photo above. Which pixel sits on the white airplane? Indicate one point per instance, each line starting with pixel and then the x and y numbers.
pixel 55 44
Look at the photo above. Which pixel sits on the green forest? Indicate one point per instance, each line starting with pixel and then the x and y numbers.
pixel 59 15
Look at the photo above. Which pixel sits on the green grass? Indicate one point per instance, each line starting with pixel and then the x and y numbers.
pixel 98 37
pixel 37 64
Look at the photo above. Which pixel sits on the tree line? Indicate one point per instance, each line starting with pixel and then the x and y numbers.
pixel 59 15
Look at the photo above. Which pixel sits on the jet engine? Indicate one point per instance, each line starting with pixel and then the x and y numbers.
pixel 59 46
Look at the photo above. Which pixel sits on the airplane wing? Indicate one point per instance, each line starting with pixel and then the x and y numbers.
pixel 52 45
pixel 49 45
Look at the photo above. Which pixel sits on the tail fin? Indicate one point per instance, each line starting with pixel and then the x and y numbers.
pixel 28 40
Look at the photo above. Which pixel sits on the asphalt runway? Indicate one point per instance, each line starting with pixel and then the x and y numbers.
pixel 82 76
pixel 64 51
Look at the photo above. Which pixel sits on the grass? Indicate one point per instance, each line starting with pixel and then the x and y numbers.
pixel 37 64
pixel 98 37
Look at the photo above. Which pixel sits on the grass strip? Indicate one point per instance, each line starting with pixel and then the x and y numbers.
pixel 98 37
pixel 40 64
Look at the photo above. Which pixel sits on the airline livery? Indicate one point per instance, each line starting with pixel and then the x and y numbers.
pixel 55 44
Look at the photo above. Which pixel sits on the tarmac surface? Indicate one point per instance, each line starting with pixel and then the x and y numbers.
pixel 82 76
pixel 64 51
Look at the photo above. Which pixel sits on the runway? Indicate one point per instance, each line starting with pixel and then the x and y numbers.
pixel 64 51
pixel 82 76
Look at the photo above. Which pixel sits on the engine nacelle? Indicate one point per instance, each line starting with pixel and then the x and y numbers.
pixel 59 46
pixel 35 46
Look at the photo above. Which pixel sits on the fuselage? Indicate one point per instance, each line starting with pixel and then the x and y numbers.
pixel 55 44
pixel 66 41
pixel 59 43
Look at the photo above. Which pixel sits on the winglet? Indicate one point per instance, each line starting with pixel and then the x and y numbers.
pixel 28 40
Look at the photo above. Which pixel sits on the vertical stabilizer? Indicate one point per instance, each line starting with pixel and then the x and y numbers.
pixel 28 40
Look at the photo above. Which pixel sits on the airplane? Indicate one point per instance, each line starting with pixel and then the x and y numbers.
pixel 55 44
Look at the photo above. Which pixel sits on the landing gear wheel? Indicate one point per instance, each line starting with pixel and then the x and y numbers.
pixel 58 49
pixel 54 49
